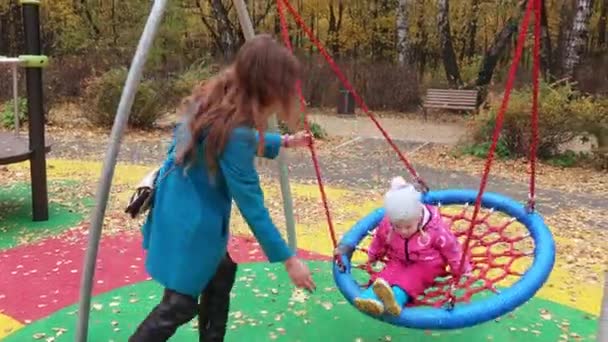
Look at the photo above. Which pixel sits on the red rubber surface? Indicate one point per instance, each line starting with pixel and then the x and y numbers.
pixel 44 277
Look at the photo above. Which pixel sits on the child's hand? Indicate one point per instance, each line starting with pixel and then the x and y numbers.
pixel 466 272
pixel 299 139
pixel 342 250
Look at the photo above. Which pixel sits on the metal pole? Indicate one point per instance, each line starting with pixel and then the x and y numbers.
pixel 602 335
pixel 248 32
pixel 105 182
pixel 16 97
pixel 33 75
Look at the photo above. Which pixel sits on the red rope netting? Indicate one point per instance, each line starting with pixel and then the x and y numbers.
pixel 501 249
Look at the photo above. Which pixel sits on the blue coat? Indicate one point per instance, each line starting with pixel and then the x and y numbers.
pixel 186 232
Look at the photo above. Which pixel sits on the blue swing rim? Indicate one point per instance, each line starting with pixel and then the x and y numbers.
pixel 475 312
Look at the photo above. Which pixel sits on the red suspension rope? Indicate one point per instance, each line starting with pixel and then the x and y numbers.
pixel 313 153
pixel 535 91
pixel 497 130
pixel 348 86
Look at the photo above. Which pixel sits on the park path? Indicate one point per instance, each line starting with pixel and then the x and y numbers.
pixel 364 161
pixel 398 128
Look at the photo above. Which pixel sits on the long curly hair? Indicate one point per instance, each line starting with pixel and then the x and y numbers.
pixel 261 79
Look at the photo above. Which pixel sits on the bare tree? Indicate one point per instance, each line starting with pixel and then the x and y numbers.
pixel 546 59
pixel 11 35
pixel 226 32
pixel 82 7
pixel 419 51
pixel 469 46
pixel 601 25
pixel 492 55
pixel 447 48
pixel 335 24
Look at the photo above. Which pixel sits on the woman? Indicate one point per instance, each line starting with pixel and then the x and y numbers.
pixel 210 164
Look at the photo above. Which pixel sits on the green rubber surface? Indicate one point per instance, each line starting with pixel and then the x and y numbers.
pixel 16 225
pixel 265 308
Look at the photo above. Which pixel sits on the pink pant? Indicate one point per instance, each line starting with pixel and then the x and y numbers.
pixel 413 278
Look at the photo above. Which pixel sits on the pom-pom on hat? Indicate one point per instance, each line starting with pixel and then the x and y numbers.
pixel 402 201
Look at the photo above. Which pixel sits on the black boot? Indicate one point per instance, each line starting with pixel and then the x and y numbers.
pixel 215 303
pixel 174 310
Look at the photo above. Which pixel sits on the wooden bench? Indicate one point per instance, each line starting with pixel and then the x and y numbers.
pixel 453 99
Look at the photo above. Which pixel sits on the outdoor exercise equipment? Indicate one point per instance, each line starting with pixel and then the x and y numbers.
pixel 480 238
pixel 13 147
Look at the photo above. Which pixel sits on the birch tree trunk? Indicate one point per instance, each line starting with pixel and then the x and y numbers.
pixel 403 47
pixel 447 48
pixel 579 34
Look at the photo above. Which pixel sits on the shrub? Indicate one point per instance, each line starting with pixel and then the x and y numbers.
pixel 183 84
pixel 316 129
pixel 469 69
pixel 104 95
pixel 592 119
pixel 7 116
pixel 65 75
pixel 383 86
pixel 564 114
pixel 568 158
pixel 558 120
pixel 480 150
pixel 592 115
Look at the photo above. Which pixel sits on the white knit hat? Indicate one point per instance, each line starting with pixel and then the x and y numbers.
pixel 402 201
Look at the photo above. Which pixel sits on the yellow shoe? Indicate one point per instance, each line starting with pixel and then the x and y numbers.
pixel 383 290
pixel 369 305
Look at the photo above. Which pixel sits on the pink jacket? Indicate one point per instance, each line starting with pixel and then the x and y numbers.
pixel 437 245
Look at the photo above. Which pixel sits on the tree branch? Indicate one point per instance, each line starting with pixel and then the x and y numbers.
pixel 258 20
pixel 208 25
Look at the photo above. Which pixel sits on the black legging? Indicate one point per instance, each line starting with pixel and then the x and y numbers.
pixel 176 309
pixel 214 304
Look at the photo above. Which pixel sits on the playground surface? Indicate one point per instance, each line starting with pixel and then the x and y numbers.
pixel 41 263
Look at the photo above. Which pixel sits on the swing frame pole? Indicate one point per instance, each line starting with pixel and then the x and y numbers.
pixel 248 32
pixel 35 109
pixel 105 182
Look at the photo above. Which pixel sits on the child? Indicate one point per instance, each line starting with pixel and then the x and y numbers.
pixel 418 245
